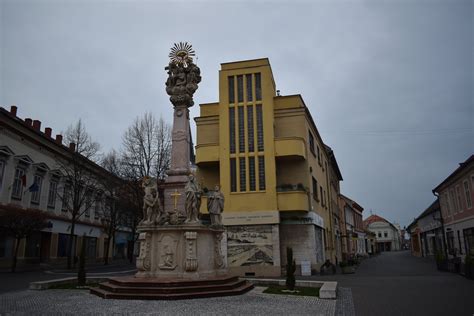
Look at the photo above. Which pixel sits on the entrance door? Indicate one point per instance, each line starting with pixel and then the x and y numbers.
pixel 45 247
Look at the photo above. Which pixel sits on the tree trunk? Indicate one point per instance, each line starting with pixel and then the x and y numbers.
pixel 69 244
pixel 15 254
pixel 107 246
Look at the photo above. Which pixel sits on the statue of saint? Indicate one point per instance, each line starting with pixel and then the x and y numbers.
pixel 215 206
pixel 193 200
pixel 151 202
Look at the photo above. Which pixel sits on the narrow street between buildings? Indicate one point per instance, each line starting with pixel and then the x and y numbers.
pixel 396 283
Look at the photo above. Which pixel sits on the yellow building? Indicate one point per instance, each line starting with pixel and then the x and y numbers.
pixel 272 165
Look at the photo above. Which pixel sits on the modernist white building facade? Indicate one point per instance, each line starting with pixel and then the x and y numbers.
pixel 388 237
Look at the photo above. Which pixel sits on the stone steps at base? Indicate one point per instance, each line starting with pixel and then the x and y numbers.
pixel 160 282
pixel 157 289
pixel 245 287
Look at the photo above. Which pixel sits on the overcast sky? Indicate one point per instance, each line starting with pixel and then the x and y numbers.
pixel 389 84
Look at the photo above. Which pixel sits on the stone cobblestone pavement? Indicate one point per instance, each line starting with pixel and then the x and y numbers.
pixel 80 302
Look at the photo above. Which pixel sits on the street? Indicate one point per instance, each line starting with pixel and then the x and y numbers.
pixel 396 283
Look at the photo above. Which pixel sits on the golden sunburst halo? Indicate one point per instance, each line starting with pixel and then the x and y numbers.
pixel 182 54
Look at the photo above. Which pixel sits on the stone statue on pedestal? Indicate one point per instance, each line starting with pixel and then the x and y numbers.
pixel 215 206
pixel 193 200
pixel 151 202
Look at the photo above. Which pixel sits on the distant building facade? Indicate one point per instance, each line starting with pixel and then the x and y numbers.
pixel 426 232
pixel 388 237
pixel 279 180
pixel 354 239
pixel 30 178
pixel 456 195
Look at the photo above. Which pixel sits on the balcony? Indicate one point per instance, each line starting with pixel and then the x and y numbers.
pixel 292 200
pixel 207 153
pixel 290 147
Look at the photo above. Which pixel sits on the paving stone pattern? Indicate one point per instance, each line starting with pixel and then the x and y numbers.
pixel 80 302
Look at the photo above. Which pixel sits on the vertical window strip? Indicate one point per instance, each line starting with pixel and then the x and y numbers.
pixel 252 173
pixel 250 134
pixel 232 130
pixel 258 87
pixel 261 173
pixel 231 90
pixel 240 88
pixel 259 127
pixel 242 175
pixel 233 175
pixel 241 129
pixel 248 80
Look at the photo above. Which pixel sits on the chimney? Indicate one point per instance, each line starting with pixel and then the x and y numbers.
pixel 59 139
pixel 48 131
pixel 13 110
pixel 28 122
pixel 72 146
pixel 37 125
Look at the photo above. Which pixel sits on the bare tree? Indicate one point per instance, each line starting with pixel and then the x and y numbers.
pixel 80 178
pixel 146 151
pixel 147 147
pixel 20 223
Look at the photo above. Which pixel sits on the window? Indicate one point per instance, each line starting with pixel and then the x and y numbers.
pixel 252 173
pixel 459 243
pixel 469 240
pixel 319 155
pixel 232 130
pixel 315 189
pixel 385 234
pixel 66 197
pixel 261 173
pixel 242 175
pixel 311 142
pixel 35 189
pixel 454 202
pixel 233 175
pixel 379 234
pixel 448 204
pixel 450 239
pixel 241 130
pixel 258 87
pixel 98 203
pixel 467 193
pixel 248 80
pixel 231 90
pixel 2 172
pixel 459 199
pixel 250 134
pixel 18 182
pixel 240 88
pixel 53 191
pixel 88 203
pixel 63 240
pixel 259 127
pixel 322 195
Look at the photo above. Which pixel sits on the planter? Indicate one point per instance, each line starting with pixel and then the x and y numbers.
pixel 469 271
pixel 348 270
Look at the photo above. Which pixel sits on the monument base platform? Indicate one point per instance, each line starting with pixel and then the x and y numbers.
pixel 170 289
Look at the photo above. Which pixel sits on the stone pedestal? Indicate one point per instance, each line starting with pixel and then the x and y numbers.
pixel 180 252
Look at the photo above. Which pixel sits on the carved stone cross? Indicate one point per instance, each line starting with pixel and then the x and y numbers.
pixel 175 195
